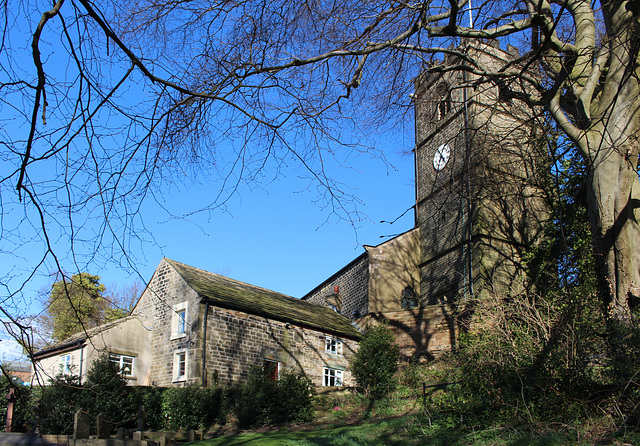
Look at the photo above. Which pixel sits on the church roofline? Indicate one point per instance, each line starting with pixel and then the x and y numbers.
pixel 334 275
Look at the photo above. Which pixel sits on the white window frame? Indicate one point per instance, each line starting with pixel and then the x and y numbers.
pixel 66 362
pixel 178 374
pixel 121 361
pixel 179 319
pixel 333 346
pixel 335 375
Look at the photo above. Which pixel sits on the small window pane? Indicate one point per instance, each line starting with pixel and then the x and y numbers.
pixel 331 377
pixel 182 364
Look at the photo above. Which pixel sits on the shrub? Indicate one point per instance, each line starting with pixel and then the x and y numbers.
pixel 106 391
pixel 22 416
pixel 103 391
pixel 190 407
pixel 376 362
pixel 151 399
pixel 58 402
pixel 295 398
pixel 264 401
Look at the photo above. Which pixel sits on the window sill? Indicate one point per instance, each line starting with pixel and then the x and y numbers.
pixel 175 336
pixel 179 379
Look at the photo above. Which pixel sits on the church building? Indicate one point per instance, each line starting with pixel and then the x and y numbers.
pixel 478 209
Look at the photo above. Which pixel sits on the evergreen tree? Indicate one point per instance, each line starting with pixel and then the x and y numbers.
pixel 75 305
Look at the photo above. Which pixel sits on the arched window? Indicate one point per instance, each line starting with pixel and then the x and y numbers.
pixel 409 298
pixel 442 100
pixel 444 107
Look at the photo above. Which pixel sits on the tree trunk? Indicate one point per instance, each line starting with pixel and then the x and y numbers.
pixel 614 208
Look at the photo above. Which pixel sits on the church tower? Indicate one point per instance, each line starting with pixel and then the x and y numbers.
pixel 479 207
pixel 479 203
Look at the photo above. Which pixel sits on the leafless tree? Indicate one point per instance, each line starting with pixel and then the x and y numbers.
pixel 103 105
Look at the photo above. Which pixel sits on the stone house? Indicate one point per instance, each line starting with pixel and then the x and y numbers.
pixel 126 341
pixel 194 327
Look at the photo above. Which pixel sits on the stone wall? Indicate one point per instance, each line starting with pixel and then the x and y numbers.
pixel 353 284
pixel 156 309
pixel 394 272
pixel 421 333
pixel 237 341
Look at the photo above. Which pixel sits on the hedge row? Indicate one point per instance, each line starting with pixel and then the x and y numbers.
pixel 258 401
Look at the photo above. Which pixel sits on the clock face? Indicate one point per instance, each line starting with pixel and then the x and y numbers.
pixel 441 157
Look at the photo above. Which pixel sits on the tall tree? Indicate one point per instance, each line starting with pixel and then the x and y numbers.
pixel 75 305
pixel 287 81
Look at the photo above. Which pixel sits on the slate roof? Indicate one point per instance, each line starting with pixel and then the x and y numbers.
pixel 232 294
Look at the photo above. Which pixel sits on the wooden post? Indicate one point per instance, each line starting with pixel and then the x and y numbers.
pixel 11 398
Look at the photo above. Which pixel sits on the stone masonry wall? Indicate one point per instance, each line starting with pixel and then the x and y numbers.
pixel 236 341
pixel 421 333
pixel 353 282
pixel 155 308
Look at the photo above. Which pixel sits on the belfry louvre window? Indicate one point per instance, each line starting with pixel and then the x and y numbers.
pixel 444 107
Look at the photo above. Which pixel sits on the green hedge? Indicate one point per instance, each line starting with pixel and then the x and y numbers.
pixel 185 408
pixel 258 401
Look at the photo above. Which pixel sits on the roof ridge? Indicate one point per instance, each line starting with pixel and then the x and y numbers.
pixel 234 280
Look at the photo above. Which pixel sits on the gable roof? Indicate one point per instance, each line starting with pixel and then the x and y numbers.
pixel 235 295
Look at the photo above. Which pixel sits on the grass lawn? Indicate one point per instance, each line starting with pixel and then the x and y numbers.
pixel 390 432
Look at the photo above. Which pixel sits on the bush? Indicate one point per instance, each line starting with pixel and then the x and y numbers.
pixel 151 399
pixel 57 405
pixel 103 391
pixel 376 362
pixel 263 401
pixel 191 407
pixel 106 391
pixel 22 414
pixel 258 401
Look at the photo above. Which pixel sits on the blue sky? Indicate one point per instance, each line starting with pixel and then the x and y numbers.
pixel 275 236
pixel 278 238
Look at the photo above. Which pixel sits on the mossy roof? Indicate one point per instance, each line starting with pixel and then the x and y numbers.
pixel 232 294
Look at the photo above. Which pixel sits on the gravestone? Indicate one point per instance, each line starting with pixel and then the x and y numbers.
pixel 142 417
pixel 120 433
pixel 104 425
pixel 81 425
